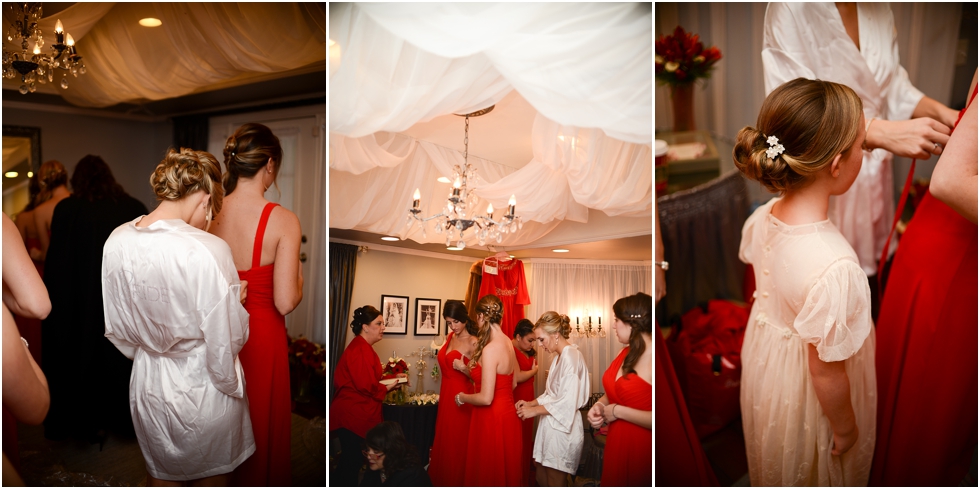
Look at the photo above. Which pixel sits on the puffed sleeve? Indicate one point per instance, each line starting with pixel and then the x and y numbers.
pixel 785 50
pixel 225 330
pixel 749 230
pixel 570 390
pixel 365 374
pixel 836 316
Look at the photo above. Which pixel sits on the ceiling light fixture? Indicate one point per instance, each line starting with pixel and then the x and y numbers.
pixel 454 216
pixel 30 174
pixel 560 250
pixel 150 22
pixel 389 238
pixel 454 248
pixel 33 65
pixel 11 174
pixel 443 180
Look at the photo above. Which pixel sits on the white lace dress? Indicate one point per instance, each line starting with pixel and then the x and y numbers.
pixel 810 289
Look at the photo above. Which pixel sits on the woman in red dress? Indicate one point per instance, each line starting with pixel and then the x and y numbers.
pixel 927 331
pixel 449 446
pixel 357 406
pixel 628 403
pixel 264 240
pixel 492 457
pixel 527 368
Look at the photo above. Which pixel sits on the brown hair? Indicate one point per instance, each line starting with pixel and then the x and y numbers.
pixel 185 172
pixel 635 311
pixel 493 310
pixel 248 151
pixel 92 180
pixel 552 322
pixel 813 120
pixel 457 310
pixel 51 175
pixel 363 315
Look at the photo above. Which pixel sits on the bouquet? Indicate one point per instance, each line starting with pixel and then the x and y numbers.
pixel 395 366
pixel 681 58
pixel 304 354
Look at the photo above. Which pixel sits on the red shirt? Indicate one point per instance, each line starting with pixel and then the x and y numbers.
pixel 357 405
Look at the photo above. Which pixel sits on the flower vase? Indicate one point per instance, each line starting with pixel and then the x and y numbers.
pixel 682 105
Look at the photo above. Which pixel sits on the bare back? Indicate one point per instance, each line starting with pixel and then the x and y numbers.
pixel 26 225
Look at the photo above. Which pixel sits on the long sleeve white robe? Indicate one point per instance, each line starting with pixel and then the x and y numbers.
pixel 171 295
pixel 808 40
pixel 561 433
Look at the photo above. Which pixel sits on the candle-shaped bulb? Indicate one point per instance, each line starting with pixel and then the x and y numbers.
pixel 417 195
pixel 37 49
pixel 512 201
pixel 600 320
pixel 457 183
pixel 58 27
pixel 576 320
pixel 490 210
pixel 70 41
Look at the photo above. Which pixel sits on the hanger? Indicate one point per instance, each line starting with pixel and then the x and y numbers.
pixel 499 256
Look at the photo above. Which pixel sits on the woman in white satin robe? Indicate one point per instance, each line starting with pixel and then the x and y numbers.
pixel 812 40
pixel 173 304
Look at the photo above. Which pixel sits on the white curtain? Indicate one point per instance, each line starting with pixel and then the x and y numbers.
pixel 581 290
pixel 579 64
pixel 199 46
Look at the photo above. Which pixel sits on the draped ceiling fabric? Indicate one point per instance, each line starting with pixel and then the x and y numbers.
pixel 585 68
pixel 200 46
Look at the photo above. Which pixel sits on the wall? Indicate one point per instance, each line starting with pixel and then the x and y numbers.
pixel 131 148
pixel 387 273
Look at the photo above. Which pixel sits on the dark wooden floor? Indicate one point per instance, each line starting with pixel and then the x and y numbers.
pixel 120 463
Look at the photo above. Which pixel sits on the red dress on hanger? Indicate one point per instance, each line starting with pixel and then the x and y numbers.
pixel 628 457
pixel 266 364
pixel 926 356
pixel 493 457
pixel 448 452
pixel 509 285
pixel 525 392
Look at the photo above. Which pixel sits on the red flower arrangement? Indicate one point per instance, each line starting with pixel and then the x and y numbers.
pixel 395 366
pixel 305 353
pixel 681 58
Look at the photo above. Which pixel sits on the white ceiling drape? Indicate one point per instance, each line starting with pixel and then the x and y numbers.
pixel 585 68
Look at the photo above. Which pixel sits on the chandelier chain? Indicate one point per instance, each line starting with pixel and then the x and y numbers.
pixel 466 142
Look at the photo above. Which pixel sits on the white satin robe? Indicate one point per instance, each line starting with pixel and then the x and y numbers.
pixel 171 295
pixel 561 433
pixel 808 40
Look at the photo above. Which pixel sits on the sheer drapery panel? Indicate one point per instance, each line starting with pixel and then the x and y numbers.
pixel 581 290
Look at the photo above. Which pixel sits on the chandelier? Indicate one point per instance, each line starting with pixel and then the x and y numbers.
pixel 589 332
pixel 455 217
pixel 34 65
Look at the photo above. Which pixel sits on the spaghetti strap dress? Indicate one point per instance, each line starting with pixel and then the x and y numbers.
pixel 927 355
pixel 494 455
pixel 628 457
pixel 452 423
pixel 525 392
pixel 265 361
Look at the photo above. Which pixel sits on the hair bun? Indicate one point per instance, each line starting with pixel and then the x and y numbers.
pixel 751 158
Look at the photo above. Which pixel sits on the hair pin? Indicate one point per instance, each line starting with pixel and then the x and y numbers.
pixel 775 149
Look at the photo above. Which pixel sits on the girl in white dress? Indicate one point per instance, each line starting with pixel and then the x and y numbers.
pixel 808 369
pixel 560 436
pixel 173 304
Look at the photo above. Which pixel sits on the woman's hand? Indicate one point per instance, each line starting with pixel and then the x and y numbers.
pixel 519 404
pixel 393 386
pixel 525 412
pixel 458 364
pixel 914 138
pixel 844 441
pixel 244 292
pixel 609 413
pixel 596 416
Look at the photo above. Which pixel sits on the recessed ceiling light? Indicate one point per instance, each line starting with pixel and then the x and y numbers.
pixel 442 180
pixel 11 174
pixel 30 174
pixel 560 250
pixel 453 248
pixel 389 238
pixel 150 22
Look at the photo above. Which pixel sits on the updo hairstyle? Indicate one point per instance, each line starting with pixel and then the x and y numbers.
pixel 552 322
pixel 635 311
pixel 814 120
pixel 493 310
pixel 457 310
pixel 183 173
pixel 525 327
pixel 51 175
pixel 363 315
pixel 248 151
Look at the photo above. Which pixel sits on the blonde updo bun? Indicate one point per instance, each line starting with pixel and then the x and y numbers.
pixel 814 120
pixel 185 172
pixel 552 322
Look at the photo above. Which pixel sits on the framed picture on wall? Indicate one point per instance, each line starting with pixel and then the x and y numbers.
pixel 427 317
pixel 394 310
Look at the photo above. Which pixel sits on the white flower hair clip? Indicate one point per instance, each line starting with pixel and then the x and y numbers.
pixel 775 149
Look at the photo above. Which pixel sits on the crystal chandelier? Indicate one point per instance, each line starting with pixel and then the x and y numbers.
pixel 589 332
pixel 33 65
pixel 454 217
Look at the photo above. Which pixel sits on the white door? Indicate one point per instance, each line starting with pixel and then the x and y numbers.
pixel 302 189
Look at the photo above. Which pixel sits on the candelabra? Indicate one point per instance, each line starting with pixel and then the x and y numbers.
pixel 589 332
pixel 420 364
pixel 460 200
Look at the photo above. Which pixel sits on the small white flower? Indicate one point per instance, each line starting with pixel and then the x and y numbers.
pixel 672 66
pixel 772 140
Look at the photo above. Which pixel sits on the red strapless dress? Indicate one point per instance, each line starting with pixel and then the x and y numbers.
pixel 266 364
pixel 628 456
pixel 525 392
pixel 494 457
pixel 452 423
pixel 926 353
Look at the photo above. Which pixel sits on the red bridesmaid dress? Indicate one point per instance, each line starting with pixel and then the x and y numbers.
pixel 266 364
pixel 628 456
pixel 926 353
pixel 492 457
pixel 452 423
pixel 525 392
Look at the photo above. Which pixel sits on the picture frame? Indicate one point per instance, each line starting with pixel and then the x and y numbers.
pixel 394 310
pixel 427 316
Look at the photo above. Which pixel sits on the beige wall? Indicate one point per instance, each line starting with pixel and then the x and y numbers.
pixel 381 272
